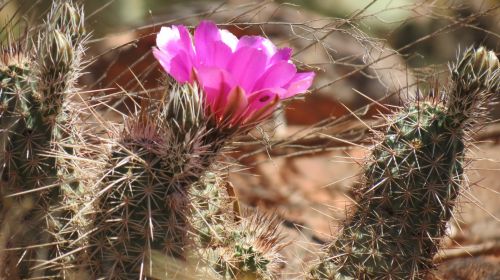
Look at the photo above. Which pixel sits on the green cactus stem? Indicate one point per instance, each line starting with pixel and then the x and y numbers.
pixel 248 249
pixel 35 129
pixel 13 85
pixel 412 180
pixel 212 210
pixel 140 209
pixel 143 205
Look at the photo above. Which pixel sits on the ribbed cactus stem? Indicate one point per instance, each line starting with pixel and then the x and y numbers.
pixel 140 210
pixel 31 138
pixel 13 85
pixel 143 205
pixel 411 182
pixel 34 129
pixel 212 210
pixel 232 244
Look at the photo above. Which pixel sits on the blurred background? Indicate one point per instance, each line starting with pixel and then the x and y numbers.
pixel 369 56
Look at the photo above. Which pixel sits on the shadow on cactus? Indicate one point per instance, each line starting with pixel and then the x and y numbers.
pixel 412 180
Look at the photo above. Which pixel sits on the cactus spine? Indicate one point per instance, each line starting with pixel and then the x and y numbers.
pixel 411 182
pixel 34 129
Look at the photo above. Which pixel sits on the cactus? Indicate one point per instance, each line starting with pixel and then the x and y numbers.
pixel 14 84
pixel 249 249
pixel 412 180
pixel 142 205
pixel 211 210
pixel 232 245
pixel 35 128
pixel 148 211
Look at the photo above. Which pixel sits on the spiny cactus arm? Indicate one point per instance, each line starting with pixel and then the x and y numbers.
pixel 33 146
pixel 52 72
pixel 13 85
pixel 143 204
pixel 137 214
pixel 411 182
pixel 232 244
pixel 211 210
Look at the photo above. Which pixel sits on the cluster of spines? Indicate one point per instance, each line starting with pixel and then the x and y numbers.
pixel 34 129
pixel 212 211
pixel 411 181
pixel 475 80
pixel 250 249
pixel 138 209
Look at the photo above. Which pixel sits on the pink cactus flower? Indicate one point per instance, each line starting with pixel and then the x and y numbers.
pixel 242 79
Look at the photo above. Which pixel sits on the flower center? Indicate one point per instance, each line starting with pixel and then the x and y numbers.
pixel 264 98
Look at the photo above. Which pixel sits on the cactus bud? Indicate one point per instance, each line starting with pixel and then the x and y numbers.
pixel 69 20
pixel 475 78
pixel 184 109
pixel 478 67
pixel 60 51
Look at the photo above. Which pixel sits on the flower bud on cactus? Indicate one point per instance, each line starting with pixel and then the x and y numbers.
pixel 411 182
pixel 60 52
pixel 69 19
pixel 475 78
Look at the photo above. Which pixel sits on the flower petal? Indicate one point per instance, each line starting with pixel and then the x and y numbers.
pixel 283 54
pixel 219 56
pixel 259 43
pixel 299 84
pixel 235 105
pixel 246 66
pixel 205 35
pixel 174 40
pixel 229 39
pixel 164 58
pixel 259 99
pixel 276 76
pixel 181 68
pixel 260 105
pixel 166 36
pixel 211 47
pixel 217 84
pixel 175 52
